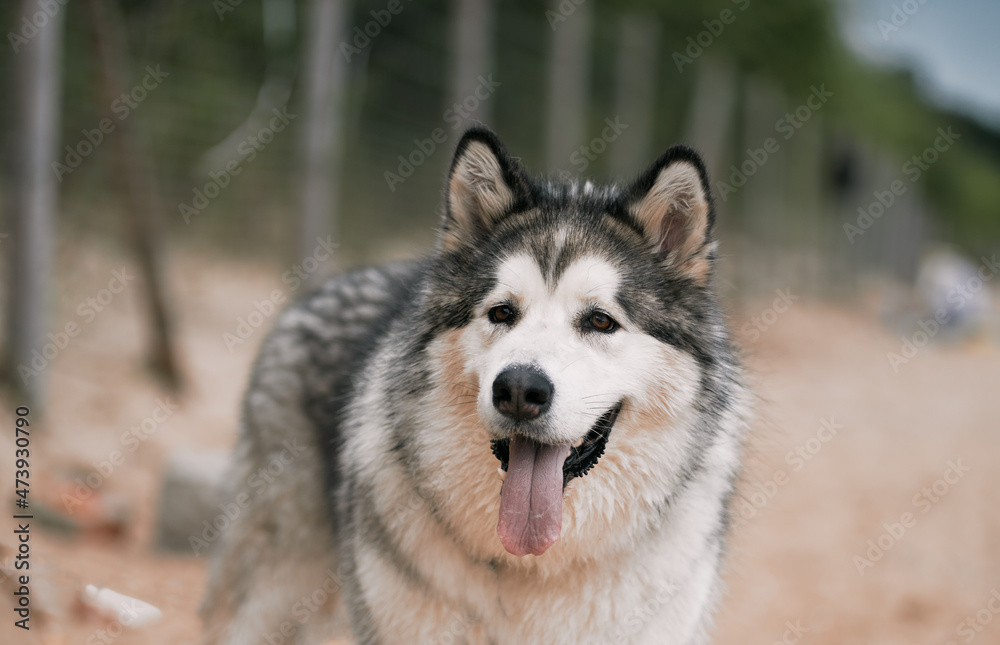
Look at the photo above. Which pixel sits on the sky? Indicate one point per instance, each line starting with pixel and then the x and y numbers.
pixel 953 46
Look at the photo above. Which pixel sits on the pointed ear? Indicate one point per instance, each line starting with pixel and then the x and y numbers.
pixel 484 185
pixel 672 203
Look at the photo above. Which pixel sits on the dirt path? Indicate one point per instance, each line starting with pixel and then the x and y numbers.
pixel 845 449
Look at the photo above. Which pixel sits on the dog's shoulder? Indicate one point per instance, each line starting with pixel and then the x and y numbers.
pixel 318 342
pixel 333 321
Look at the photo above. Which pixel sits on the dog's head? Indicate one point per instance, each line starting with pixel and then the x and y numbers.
pixel 576 310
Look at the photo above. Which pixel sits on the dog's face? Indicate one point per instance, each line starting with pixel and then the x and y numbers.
pixel 573 308
pixel 556 353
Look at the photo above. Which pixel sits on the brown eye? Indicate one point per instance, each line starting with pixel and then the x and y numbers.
pixel 502 314
pixel 602 322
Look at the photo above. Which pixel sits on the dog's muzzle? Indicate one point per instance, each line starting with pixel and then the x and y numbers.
pixel 531 497
pixel 581 458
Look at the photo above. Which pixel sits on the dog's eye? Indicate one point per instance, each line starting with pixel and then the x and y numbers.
pixel 602 322
pixel 502 314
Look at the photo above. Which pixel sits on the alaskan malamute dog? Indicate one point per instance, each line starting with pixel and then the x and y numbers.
pixel 529 438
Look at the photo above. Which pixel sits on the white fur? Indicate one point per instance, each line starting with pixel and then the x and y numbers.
pixel 586 382
pixel 604 580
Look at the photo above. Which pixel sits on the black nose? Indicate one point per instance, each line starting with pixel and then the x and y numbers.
pixel 522 392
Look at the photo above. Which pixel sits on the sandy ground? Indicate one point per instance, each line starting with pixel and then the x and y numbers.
pixel 844 449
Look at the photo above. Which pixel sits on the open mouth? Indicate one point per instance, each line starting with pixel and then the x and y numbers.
pixel 531 498
pixel 582 456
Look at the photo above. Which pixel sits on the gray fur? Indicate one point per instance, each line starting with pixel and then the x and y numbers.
pixel 349 375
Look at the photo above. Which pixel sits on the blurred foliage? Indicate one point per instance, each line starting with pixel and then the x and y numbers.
pixel 398 91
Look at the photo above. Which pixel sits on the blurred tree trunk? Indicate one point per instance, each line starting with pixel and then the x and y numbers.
pixel 35 200
pixel 710 117
pixel 472 51
pixel 134 181
pixel 638 72
pixel 326 71
pixel 764 196
pixel 568 72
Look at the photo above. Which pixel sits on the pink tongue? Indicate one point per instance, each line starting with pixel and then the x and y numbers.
pixel 531 497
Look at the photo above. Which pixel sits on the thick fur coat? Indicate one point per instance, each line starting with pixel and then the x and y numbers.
pixel 529 437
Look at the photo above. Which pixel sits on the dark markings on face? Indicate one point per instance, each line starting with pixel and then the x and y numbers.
pixel 556 227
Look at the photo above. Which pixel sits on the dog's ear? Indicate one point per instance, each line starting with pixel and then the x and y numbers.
pixel 484 185
pixel 672 203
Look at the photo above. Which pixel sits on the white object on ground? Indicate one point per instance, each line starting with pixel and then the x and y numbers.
pixel 129 611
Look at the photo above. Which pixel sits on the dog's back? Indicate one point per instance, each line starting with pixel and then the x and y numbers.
pixel 280 545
